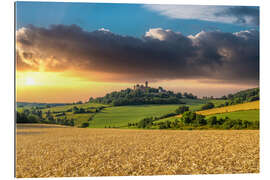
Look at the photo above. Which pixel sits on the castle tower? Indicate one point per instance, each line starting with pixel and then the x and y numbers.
pixel 146 84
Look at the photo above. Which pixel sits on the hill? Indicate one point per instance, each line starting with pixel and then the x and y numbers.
pixel 142 95
pixel 127 108
pixel 250 115
pixel 245 111
pixel 248 95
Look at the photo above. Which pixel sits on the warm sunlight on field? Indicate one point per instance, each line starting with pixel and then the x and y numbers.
pixel 237 107
pixel 58 152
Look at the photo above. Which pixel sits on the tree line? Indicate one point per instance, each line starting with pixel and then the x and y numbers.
pixel 192 120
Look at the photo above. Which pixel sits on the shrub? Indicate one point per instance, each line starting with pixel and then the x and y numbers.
pixel 212 121
pixel 220 121
pixel 228 124
pixel 209 105
pixel 188 117
pixel 146 122
pixel 84 125
pixel 181 109
pixel 33 118
pixel 200 119
pixel 26 117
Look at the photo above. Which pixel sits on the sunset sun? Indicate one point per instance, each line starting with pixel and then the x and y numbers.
pixel 30 81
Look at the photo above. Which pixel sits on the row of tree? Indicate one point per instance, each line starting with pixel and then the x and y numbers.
pixel 148 121
pixel 31 117
pixel 191 120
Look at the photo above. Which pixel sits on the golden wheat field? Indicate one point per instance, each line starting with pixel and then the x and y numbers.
pixel 232 108
pixel 65 152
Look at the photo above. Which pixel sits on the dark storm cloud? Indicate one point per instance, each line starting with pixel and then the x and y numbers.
pixel 160 54
pixel 243 14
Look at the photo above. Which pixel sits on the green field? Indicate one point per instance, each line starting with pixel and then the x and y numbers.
pixel 250 115
pixel 119 116
pixel 194 105
pixel 122 115
pixel 65 108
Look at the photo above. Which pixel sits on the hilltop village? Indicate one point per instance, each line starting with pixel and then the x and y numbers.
pixel 145 87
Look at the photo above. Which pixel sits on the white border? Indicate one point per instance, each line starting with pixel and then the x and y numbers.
pixel 7 87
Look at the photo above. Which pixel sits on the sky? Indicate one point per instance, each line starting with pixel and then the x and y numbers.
pixel 66 52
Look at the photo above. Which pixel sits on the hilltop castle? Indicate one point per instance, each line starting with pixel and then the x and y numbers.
pixel 141 87
pixel 145 87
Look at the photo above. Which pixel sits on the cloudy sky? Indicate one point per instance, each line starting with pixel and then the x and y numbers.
pixel 70 51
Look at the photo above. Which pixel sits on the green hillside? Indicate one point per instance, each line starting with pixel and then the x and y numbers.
pixel 101 115
pixel 122 115
pixel 250 115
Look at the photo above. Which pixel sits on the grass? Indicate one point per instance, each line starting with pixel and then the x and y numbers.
pixel 218 102
pixel 120 116
pixel 73 152
pixel 66 107
pixel 250 115
pixel 245 111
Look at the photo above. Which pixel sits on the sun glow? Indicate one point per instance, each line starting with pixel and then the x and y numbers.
pixel 52 87
pixel 29 81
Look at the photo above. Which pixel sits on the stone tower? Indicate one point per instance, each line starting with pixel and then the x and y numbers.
pixel 146 84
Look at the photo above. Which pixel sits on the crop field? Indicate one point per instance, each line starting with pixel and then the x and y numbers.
pixel 238 107
pixel 250 115
pixel 232 108
pixel 69 152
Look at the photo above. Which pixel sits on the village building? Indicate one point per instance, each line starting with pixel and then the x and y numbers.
pixel 141 87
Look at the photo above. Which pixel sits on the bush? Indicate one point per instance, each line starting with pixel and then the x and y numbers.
pixel 188 117
pixel 181 109
pixel 255 125
pixel 33 118
pixel 84 125
pixel 200 119
pixel 209 105
pixel 212 121
pixel 26 117
pixel 146 122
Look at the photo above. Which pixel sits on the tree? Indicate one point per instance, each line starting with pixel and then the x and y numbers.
pixel 209 105
pixel 75 109
pixel 188 117
pixel 201 120
pixel 212 121
pixel 181 109
pixel 84 125
pixel 33 118
pixel 91 99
